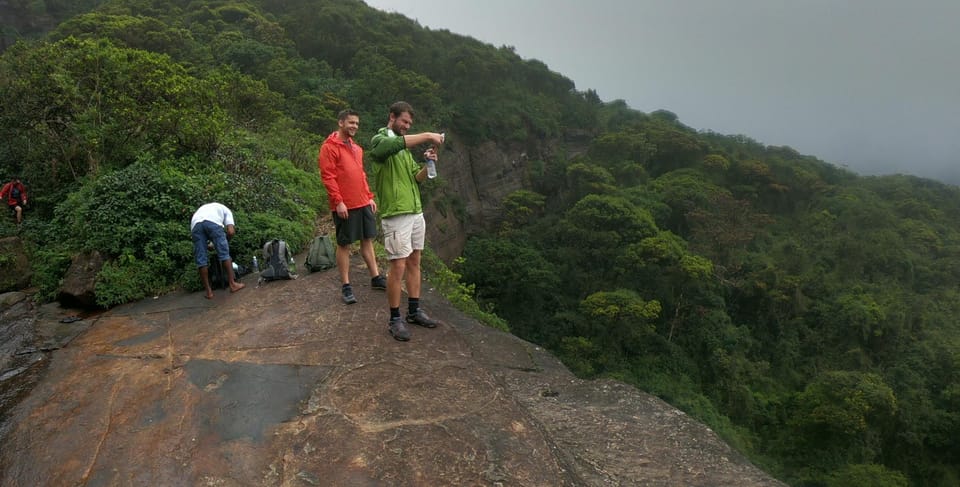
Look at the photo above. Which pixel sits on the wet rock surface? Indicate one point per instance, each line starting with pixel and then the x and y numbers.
pixel 28 337
pixel 283 384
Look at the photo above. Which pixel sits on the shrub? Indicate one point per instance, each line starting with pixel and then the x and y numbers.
pixel 459 294
pixel 138 219
pixel 125 280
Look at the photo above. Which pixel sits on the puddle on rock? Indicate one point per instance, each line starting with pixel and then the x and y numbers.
pixel 250 398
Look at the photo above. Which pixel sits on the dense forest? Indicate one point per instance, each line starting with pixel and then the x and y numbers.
pixel 807 314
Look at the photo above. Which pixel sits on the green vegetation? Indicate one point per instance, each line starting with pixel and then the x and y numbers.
pixel 805 313
pixel 462 296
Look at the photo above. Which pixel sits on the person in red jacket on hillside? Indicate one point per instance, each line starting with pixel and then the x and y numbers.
pixel 351 201
pixel 15 194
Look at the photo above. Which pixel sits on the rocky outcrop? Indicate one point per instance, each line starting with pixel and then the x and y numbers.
pixel 283 384
pixel 16 326
pixel 79 283
pixel 15 273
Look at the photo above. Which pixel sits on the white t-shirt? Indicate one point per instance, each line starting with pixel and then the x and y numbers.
pixel 213 212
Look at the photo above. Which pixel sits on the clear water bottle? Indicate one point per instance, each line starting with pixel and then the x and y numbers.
pixel 256 265
pixel 432 163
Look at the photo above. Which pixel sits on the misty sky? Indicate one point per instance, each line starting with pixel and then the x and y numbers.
pixel 873 85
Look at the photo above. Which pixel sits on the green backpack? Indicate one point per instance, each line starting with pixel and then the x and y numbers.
pixel 322 255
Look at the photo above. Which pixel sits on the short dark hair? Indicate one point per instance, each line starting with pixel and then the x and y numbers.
pixel 347 112
pixel 401 107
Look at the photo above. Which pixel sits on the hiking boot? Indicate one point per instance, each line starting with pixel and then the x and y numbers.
pixel 348 296
pixel 421 318
pixel 398 330
pixel 379 282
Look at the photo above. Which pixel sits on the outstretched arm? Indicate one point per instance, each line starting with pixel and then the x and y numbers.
pixel 417 139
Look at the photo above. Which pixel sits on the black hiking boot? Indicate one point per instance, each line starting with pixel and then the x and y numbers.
pixel 379 282
pixel 348 296
pixel 421 318
pixel 398 330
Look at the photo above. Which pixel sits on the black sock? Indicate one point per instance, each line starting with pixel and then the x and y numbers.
pixel 413 304
pixel 346 286
pixel 394 312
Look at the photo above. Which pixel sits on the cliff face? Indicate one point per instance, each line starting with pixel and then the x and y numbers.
pixel 283 384
pixel 473 182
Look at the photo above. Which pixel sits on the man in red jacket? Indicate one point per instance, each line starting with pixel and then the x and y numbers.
pixel 351 201
pixel 15 194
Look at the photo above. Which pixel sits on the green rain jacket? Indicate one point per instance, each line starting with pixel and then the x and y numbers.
pixel 394 175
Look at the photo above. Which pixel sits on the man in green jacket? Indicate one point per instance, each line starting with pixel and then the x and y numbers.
pixel 396 178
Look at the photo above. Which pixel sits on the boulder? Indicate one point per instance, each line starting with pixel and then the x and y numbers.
pixel 15 270
pixel 78 284
pixel 8 299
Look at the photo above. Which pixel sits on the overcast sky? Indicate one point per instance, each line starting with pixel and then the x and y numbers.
pixel 873 85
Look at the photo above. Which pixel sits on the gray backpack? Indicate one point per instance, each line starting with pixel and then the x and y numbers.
pixel 276 256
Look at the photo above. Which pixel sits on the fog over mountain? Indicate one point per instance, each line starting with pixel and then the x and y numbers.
pixel 866 84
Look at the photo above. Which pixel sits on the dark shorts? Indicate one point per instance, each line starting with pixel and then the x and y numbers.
pixel 201 233
pixel 361 224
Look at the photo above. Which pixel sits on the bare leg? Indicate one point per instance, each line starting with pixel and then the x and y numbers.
pixel 205 278
pixel 234 285
pixel 19 215
pixel 343 263
pixel 369 257
pixel 413 274
pixel 394 282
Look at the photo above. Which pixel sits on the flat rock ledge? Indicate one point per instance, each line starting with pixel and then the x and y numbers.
pixel 284 385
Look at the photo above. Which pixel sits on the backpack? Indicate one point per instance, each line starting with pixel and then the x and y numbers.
pixel 218 278
pixel 276 256
pixel 322 255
